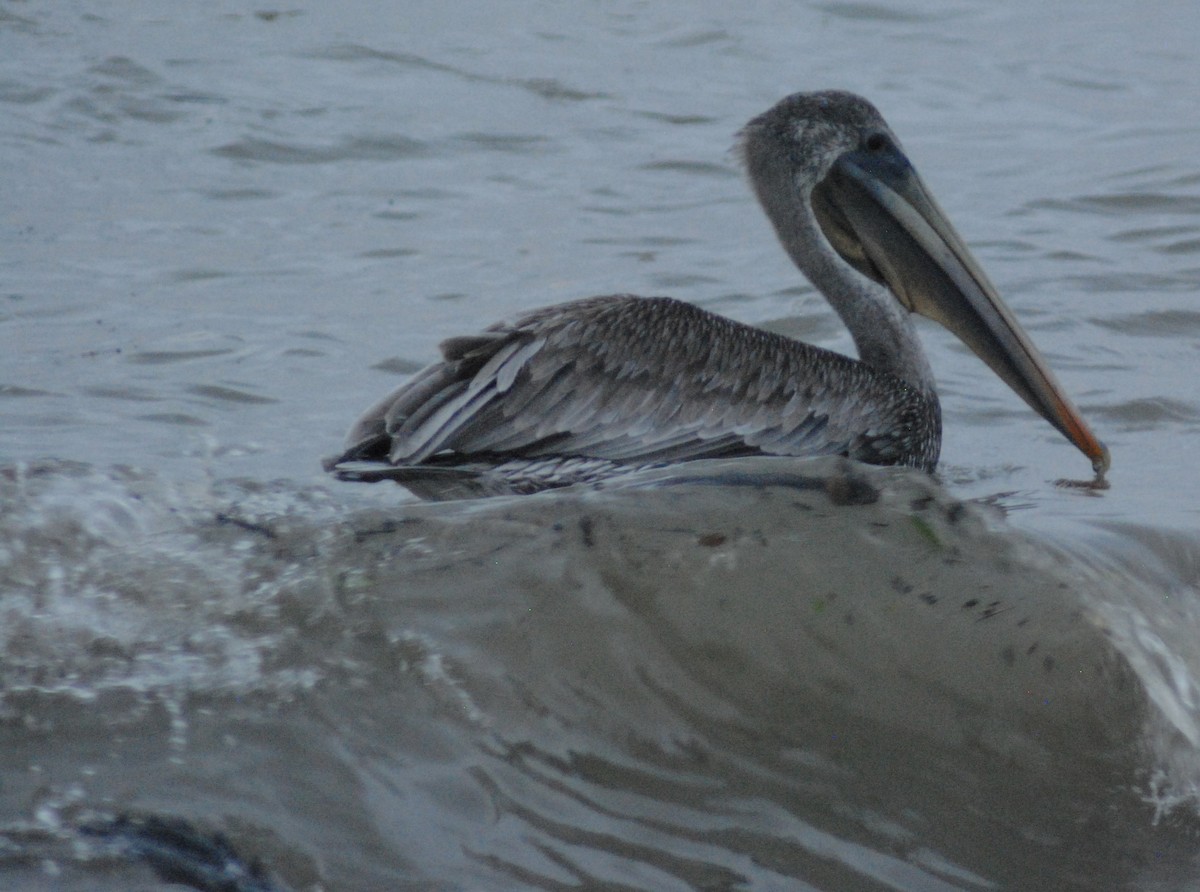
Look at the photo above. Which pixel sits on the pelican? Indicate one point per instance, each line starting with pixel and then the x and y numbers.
pixel 582 390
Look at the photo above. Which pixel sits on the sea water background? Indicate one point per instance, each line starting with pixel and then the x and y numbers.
pixel 226 229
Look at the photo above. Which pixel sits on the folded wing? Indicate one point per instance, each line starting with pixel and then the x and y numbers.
pixel 641 380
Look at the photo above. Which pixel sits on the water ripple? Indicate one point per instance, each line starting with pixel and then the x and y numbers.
pixel 229 394
pixel 546 88
pixel 163 357
pixel 1148 413
pixel 1126 203
pixel 1170 324
pixel 874 12
pixel 357 148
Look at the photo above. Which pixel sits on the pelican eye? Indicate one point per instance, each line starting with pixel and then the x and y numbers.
pixel 876 142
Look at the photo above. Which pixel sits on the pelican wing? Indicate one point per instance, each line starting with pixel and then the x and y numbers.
pixel 636 380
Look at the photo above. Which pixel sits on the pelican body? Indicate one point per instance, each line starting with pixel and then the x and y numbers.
pixel 580 391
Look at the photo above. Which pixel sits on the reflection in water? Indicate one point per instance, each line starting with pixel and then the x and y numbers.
pixel 730 674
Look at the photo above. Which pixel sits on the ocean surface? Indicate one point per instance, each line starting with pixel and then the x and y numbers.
pixel 227 229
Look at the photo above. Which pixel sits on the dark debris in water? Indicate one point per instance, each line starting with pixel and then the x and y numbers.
pixel 248 525
pixel 179 852
pixel 586 527
pixel 849 488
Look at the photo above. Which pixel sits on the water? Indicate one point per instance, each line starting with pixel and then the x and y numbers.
pixel 227 231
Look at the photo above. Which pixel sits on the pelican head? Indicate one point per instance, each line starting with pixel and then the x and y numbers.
pixel 854 215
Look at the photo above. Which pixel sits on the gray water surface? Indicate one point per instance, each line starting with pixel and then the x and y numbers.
pixel 227 230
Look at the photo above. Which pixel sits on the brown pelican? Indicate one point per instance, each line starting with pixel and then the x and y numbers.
pixel 580 390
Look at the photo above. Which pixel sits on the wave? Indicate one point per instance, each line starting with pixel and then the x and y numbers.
pixel 752 673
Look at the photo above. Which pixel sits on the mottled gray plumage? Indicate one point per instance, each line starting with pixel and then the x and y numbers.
pixel 580 391
pixel 640 380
